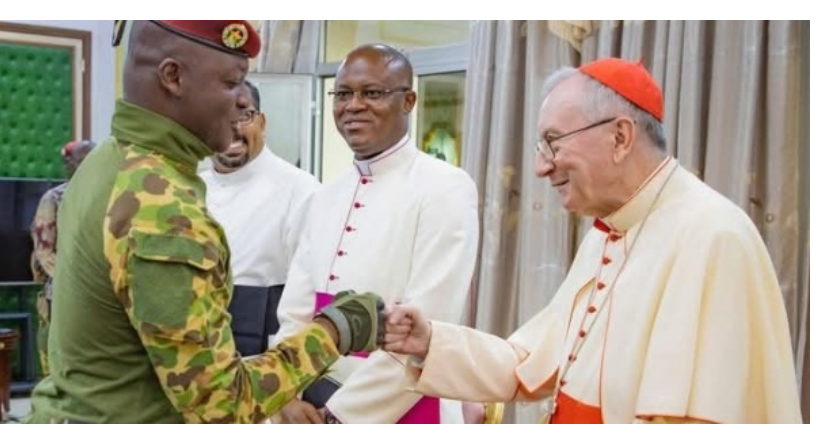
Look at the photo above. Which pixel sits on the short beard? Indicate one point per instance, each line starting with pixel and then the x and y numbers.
pixel 232 163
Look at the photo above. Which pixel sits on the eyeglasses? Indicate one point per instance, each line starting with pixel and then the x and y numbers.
pixel 247 118
pixel 545 145
pixel 368 95
pixel 118 31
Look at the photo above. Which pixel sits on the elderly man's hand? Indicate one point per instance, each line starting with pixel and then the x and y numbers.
pixel 407 331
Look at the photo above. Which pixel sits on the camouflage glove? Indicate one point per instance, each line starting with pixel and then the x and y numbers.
pixel 359 319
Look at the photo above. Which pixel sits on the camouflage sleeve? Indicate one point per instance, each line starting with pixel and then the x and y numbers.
pixel 176 298
pixel 44 236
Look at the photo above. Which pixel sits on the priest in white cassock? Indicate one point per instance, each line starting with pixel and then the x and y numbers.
pixel 400 223
pixel 671 311
pixel 260 200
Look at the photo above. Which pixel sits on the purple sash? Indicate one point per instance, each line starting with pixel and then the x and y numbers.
pixel 426 411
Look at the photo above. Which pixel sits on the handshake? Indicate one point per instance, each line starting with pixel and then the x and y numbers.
pixel 362 323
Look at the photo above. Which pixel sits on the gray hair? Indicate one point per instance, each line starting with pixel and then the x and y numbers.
pixel 602 102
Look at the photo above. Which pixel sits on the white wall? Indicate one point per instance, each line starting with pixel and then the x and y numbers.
pixel 103 69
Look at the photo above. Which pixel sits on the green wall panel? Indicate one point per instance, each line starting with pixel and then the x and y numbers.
pixel 35 110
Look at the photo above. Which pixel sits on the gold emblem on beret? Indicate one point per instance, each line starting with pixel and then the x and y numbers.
pixel 234 35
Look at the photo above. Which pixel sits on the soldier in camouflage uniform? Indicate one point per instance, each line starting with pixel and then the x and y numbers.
pixel 141 328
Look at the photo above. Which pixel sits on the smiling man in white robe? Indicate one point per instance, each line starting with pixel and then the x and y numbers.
pixel 400 223
pixel 671 311
pixel 260 200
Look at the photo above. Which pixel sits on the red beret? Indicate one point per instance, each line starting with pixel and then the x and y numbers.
pixel 629 79
pixel 231 36
pixel 67 148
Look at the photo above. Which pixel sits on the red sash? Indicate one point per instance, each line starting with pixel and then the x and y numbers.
pixel 569 410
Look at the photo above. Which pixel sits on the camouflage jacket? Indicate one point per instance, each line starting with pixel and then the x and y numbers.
pixel 45 236
pixel 141 331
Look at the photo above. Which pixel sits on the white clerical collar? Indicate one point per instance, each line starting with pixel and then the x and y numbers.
pixel 389 158
pixel 638 205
